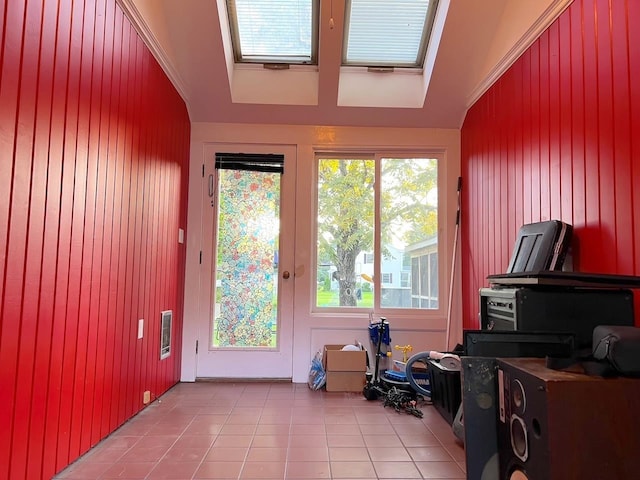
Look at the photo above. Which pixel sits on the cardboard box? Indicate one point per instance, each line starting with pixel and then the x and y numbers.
pixel 334 359
pixel 345 370
pixel 345 381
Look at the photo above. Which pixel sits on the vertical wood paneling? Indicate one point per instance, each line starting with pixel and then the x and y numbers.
pixel 565 119
pixel 45 293
pixel 131 185
pixel 571 149
pixel 621 135
pixel 92 255
pixel 95 142
pixel 118 256
pixel 525 139
pixel 23 258
pixel 103 226
pixel 577 126
pixel 84 198
pixel 112 226
pixel 590 237
pixel 633 39
pixel 503 151
pixel 137 209
pixel 56 242
pixel 517 184
pixel 534 146
pixel 72 221
pixel 544 125
pixel 138 251
pixel 606 152
pixel 9 338
pixel 517 177
pixel 554 129
pixel 89 108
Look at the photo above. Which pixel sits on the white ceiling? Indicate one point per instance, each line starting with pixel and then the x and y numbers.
pixel 480 39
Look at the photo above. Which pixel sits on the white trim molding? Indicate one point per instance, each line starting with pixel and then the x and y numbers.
pixel 144 30
pixel 552 12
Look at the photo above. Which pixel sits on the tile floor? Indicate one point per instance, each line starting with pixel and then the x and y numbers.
pixel 265 431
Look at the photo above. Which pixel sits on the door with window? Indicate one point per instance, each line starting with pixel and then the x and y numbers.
pixel 246 327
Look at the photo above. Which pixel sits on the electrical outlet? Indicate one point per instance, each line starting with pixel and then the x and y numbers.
pixel 146 397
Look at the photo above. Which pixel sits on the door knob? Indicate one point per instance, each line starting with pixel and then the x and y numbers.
pixel 286 274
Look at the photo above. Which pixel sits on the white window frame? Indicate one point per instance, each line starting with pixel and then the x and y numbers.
pixel 417 63
pixel 405 279
pixel 274 59
pixel 377 310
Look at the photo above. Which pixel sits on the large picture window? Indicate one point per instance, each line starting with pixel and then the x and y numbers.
pixel 379 207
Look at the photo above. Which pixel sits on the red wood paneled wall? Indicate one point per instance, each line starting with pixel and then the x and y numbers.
pixel 94 145
pixel 558 137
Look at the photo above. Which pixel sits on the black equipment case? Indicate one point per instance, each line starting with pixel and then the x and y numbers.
pixel 540 246
pixel 561 309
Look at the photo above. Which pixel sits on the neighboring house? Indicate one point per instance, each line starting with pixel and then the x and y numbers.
pixel 424 273
pixel 409 277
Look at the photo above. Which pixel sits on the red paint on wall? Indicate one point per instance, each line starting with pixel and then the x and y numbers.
pixel 95 145
pixel 558 137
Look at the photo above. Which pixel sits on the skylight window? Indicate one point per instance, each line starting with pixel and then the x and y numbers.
pixel 380 33
pixel 274 31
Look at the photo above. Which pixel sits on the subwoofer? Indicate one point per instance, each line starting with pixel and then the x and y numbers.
pixel 564 425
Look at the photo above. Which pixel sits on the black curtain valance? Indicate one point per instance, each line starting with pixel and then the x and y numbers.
pixel 256 162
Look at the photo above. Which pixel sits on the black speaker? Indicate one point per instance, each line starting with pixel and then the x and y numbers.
pixel 563 425
pixel 479 410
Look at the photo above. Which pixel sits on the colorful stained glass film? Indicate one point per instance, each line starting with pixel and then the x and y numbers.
pixel 247 260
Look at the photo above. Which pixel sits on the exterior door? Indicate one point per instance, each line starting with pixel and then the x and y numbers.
pixel 246 330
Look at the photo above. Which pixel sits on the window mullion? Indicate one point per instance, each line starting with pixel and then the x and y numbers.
pixel 377 243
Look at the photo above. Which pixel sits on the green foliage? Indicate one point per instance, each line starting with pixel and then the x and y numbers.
pixel 409 198
pixel 345 200
pixel 331 299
